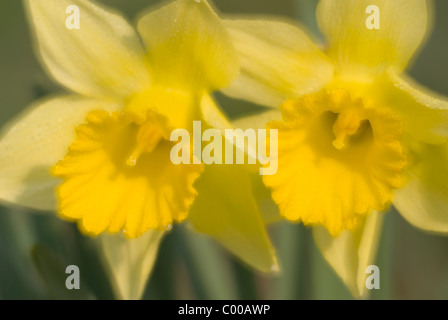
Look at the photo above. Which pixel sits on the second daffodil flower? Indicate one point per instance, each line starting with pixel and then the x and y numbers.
pixel 106 148
pixel 355 134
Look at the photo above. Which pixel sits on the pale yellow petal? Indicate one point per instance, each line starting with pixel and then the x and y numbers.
pixel 188 46
pixel 424 200
pixel 103 58
pixel 257 121
pixel 226 210
pixel 180 107
pixel 362 52
pixel 213 115
pixel 261 193
pixel 34 142
pixel 215 118
pixel 278 61
pixel 352 252
pixel 424 113
pixel 130 262
pixel 254 122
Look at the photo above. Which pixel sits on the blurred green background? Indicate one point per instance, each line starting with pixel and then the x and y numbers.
pixel 36 248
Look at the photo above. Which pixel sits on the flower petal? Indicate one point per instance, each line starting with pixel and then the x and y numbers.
pixel 33 143
pixel 268 208
pixel 261 193
pixel 215 118
pixel 104 58
pixel 123 170
pixel 425 114
pixel 212 114
pixel 226 210
pixel 351 252
pixel 360 51
pixel 130 262
pixel 278 61
pixel 257 121
pixel 424 200
pixel 188 46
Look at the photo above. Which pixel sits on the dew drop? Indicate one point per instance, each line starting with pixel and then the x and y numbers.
pixel 168 227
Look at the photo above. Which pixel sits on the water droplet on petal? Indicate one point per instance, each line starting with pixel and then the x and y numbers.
pixel 168 227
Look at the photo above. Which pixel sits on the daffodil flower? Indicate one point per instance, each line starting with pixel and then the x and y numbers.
pixel 106 147
pixel 355 133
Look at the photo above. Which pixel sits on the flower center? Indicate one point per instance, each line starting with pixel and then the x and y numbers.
pixel 117 176
pixel 339 158
pixel 147 139
pixel 347 124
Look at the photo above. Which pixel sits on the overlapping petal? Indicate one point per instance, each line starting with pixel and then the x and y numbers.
pixel 351 252
pixel 34 142
pixel 278 61
pixel 130 262
pixel 424 199
pixel 227 211
pixel 259 120
pixel 424 113
pixel 104 58
pixel 188 46
pixel 360 52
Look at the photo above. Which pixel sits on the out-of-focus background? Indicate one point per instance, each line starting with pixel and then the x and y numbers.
pixel 35 248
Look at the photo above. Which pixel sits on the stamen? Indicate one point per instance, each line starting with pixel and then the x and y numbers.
pixel 148 138
pixel 132 160
pixel 346 125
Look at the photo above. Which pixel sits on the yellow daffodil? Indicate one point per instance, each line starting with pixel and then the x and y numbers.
pixel 106 147
pixel 355 133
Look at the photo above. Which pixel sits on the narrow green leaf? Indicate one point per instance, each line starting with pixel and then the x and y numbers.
pixel 52 269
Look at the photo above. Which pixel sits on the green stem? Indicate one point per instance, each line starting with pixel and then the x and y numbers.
pixel 210 272
pixel 306 13
pixel 289 285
